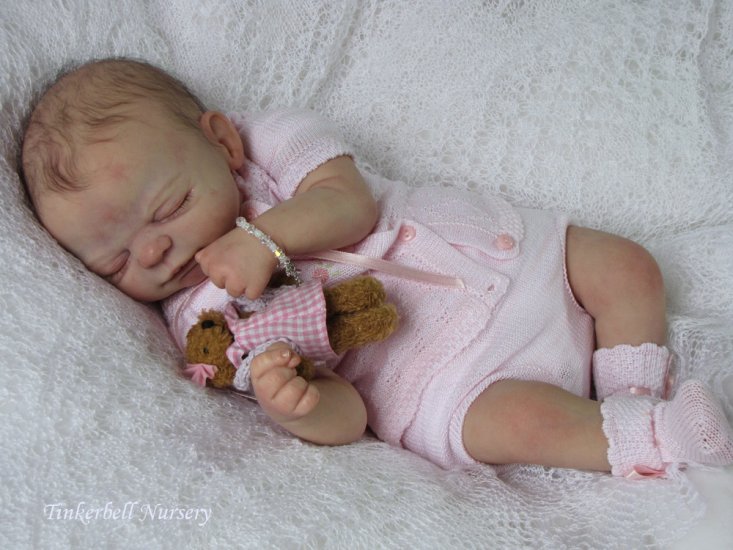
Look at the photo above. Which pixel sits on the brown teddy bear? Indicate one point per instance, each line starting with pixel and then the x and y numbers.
pixel 356 314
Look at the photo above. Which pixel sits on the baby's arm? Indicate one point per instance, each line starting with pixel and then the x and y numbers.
pixel 331 208
pixel 327 410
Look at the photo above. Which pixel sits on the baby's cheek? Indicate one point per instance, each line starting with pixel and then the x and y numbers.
pixel 226 203
pixel 118 172
pixel 111 216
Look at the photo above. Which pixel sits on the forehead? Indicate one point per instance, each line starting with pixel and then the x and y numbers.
pixel 133 151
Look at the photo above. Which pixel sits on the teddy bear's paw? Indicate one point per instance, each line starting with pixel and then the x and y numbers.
pixel 354 295
pixel 363 327
pixel 224 376
pixel 306 368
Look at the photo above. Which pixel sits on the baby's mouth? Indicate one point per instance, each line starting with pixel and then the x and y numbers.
pixel 189 274
pixel 184 269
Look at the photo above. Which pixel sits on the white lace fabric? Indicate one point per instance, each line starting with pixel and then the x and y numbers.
pixel 619 113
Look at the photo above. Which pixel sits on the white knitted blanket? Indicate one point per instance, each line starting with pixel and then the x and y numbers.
pixel 620 113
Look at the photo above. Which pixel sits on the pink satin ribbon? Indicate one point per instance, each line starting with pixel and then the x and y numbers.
pixel 385 266
pixel 199 372
pixel 642 472
pixel 669 381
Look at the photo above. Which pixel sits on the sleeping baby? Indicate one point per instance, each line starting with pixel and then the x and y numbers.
pixel 511 318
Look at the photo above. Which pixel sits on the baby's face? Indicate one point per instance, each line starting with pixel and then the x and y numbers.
pixel 159 194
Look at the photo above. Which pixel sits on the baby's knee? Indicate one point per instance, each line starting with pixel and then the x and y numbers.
pixel 637 272
pixel 606 271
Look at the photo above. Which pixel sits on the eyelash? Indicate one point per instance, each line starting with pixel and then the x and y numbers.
pixel 179 209
pixel 116 275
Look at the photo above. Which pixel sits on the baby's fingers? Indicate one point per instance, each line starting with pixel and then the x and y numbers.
pixel 278 387
pixel 278 355
pixel 296 398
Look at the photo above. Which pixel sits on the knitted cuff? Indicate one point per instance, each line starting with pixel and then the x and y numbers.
pixel 637 370
pixel 628 426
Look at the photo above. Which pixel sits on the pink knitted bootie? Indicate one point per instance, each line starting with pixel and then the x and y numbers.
pixel 646 436
pixel 637 370
pixel 693 426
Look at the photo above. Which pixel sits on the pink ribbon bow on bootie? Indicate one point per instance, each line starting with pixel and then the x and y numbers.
pixel 199 372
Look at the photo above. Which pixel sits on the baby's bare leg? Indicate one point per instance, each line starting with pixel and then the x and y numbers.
pixel 514 421
pixel 520 422
pixel 619 284
pixel 621 287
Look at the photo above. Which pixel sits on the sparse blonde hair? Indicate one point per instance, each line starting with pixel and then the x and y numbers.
pixel 81 103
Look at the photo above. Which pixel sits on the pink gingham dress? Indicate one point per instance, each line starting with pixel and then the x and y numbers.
pixel 294 315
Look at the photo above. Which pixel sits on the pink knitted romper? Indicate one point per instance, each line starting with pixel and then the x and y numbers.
pixel 515 317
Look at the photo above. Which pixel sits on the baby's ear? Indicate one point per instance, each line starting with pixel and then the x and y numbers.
pixel 220 131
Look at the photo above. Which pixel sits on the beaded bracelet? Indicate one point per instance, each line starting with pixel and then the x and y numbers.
pixel 285 262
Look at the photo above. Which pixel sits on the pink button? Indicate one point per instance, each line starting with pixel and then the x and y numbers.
pixel 407 233
pixel 504 242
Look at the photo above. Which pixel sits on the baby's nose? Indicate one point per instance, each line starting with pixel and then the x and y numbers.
pixel 153 251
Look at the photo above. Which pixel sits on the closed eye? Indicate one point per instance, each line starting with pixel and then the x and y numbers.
pixel 119 268
pixel 179 209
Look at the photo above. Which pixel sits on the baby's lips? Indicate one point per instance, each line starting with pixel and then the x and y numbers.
pixel 198 258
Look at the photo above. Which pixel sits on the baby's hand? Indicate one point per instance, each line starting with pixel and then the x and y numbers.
pixel 239 263
pixel 282 394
